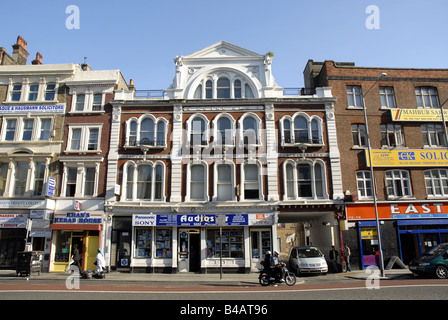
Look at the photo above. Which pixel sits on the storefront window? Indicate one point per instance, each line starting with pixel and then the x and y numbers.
pixel 163 243
pixel 143 243
pixel 62 246
pixel 232 243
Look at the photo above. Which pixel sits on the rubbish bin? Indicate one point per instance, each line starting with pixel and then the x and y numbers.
pixel 29 262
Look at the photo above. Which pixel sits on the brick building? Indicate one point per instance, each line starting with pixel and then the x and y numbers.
pixel 222 142
pixel 408 141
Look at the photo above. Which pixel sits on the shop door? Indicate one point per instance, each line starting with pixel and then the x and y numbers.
pixel 260 243
pixel 189 257
pixel 91 250
pixel 124 249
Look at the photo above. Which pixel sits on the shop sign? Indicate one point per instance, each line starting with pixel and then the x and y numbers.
pixel 369 234
pixel 19 204
pixel 408 158
pixel 419 210
pixel 175 220
pixel 59 108
pixel 51 184
pixel 425 115
pixel 13 221
pixel 148 220
pixel 78 218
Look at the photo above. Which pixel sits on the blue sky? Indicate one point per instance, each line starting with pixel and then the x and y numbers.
pixel 141 38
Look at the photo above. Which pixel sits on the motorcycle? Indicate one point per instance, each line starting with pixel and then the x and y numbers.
pixel 288 277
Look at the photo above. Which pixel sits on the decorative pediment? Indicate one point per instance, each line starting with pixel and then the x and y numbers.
pixel 223 50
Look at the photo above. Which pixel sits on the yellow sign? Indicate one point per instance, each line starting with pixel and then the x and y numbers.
pixel 369 234
pixel 408 158
pixel 418 114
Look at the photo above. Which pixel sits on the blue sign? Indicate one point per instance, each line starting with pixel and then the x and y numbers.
pixel 174 220
pixel 51 184
pixel 408 155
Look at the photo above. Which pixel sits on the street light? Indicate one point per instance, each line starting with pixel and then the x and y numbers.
pixel 380 246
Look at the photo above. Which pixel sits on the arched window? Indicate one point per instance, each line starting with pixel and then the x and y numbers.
pixel 248 91
pixel 224 182
pixel 237 89
pixel 144 177
pixel 198 92
pixel 250 130
pixel 130 183
pixel 251 186
pixel 197 132
pixel 224 131
pixel 160 133
pixel 223 88
pixel 209 89
pixel 147 132
pixel 287 131
pixel 132 141
pixel 300 130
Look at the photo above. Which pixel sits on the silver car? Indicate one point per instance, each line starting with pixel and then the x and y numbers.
pixel 307 259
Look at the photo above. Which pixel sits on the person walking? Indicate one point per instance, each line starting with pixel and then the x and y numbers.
pixel 76 257
pixel 347 254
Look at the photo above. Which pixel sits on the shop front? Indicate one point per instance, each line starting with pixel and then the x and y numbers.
pixel 198 243
pixel 408 229
pixel 81 228
pixel 13 231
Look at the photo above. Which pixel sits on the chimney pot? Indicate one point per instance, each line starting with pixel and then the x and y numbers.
pixel 38 59
pixel 19 53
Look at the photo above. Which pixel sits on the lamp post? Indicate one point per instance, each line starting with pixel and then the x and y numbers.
pixel 380 246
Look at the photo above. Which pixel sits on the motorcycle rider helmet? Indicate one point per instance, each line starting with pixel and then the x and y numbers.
pixel 276 253
pixel 268 252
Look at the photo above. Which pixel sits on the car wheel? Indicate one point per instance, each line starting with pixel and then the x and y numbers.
pixel 441 272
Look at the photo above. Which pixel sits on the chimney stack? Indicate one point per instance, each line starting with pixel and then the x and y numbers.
pixel 19 53
pixel 38 59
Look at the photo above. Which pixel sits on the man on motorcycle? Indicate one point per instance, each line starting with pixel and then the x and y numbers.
pixel 272 265
pixel 278 267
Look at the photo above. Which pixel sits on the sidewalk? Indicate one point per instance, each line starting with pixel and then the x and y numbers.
pixel 227 278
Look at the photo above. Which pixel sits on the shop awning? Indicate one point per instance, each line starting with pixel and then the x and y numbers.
pixel 68 226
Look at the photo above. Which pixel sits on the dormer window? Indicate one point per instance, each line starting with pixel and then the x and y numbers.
pixel 223 88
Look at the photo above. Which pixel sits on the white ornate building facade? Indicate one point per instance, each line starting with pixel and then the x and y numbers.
pixel 217 165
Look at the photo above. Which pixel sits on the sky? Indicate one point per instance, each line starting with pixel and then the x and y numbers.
pixel 142 37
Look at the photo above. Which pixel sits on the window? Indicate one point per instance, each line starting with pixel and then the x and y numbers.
pixel 224 133
pixel 71 182
pixel 33 92
pixel 39 174
pixel 224 182
pixel 232 243
pixel 364 182
pixel 434 135
pixel 359 135
pixel 398 183
pixel 391 135
pixel 301 129
pixel 16 92
pixel 84 138
pixel 436 181
pixel 3 175
pixel 250 131
pixel 144 181
pixel 209 89
pixel 354 96
pixel 251 182
pixel 80 98
pixel 387 97
pixel 198 176
pixel 50 92
pixel 147 131
pixel 20 177
pixel 223 90
pixel 27 131
pixel 10 129
pixel 45 129
pixel 143 243
pixel 89 181
pixel 97 102
pixel 80 179
pixel 163 243
pixel 427 97
pixel 198 131
pixel 304 180
pixel 237 89
pixel 76 139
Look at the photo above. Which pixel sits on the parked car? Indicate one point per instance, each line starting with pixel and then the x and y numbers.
pixel 432 262
pixel 307 260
